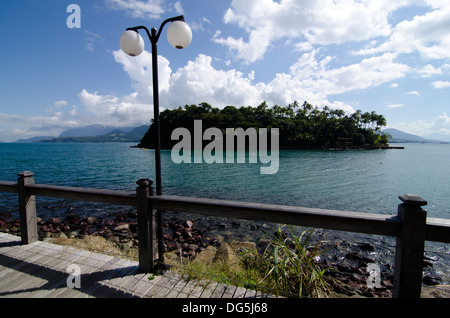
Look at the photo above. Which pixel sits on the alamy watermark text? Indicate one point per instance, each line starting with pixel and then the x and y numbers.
pixel 235 146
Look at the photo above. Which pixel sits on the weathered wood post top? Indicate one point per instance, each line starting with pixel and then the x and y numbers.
pixel 413 199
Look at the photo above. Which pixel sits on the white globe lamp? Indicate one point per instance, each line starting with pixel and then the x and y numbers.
pixel 132 43
pixel 179 34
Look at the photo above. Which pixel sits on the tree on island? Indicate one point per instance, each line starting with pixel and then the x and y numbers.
pixel 301 126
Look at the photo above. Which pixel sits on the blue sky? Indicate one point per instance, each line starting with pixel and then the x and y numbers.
pixel 392 57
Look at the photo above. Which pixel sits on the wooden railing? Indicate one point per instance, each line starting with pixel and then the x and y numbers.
pixel 410 226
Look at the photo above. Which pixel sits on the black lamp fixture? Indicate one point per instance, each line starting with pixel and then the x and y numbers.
pixel 179 35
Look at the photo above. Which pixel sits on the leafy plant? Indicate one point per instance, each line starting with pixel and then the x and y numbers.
pixel 292 267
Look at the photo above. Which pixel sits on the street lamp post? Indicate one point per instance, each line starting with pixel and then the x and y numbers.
pixel 180 36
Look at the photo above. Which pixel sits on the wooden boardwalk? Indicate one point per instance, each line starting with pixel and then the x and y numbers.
pixel 42 270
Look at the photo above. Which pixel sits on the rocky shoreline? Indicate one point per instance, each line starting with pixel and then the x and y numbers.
pixel 345 264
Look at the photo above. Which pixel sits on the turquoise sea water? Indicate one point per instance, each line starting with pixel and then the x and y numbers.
pixel 362 181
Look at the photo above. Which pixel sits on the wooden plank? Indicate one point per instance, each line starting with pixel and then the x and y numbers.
pixel 229 292
pixel 57 280
pixel 176 290
pixel 129 283
pixel 209 289
pixel 7 267
pixel 9 187
pixel 188 289
pixel 142 286
pixel 320 218
pixel 250 293
pixel 104 272
pixel 34 276
pixel 164 291
pixel 198 290
pixel 159 285
pixel 239 293
pixel 438 230
pixel 117 197
pixel 123 277
pixel 219 290
pixel 101 275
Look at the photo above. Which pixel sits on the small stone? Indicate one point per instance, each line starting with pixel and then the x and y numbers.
pixel 431 279
pixel 109 222
pixel 193 247
pixel 387 283
pixel 359 278
pixel 53 220
pixel 121 227
pixel 14 229
pixel 366 247
pixel 91 220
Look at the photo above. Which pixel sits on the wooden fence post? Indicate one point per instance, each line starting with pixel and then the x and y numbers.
pixel 146 227
pixel 410 247
pixel 27 208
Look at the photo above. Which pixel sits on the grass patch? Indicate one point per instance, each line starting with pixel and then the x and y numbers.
pixel 99 244
pixel 288 267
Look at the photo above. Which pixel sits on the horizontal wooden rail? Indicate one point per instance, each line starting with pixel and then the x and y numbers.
pixel 437 229
pixel 9 187
pixel 117 197
pixel 310 217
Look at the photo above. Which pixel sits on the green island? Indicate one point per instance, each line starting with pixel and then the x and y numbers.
pixel 301 126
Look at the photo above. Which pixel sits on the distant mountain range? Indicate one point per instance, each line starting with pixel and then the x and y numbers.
pixel 400 136
pixel 100 133
pixel 94 133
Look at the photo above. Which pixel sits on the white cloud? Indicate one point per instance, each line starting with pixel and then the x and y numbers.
pixel 112 110
pixel 438 127
pixel 199 26
pixel 91 39
pixel 429 70
pixel 416 93
pixel 318 22
pixel 178 7
pixel 395 105
pixel 441 84
pixel 426 34
pixel 149 9
pixel 199 81
pixel 139 69
pixel 14 127
pixel 60 103
pixel 311 78
pixel 370 72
